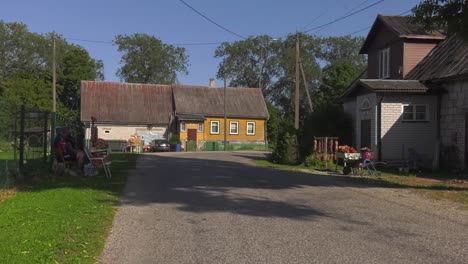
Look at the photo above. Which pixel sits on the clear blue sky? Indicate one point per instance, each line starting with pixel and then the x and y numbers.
pixel 173 22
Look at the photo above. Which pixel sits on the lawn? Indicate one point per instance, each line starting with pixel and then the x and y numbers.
pixel 64 220
pixel 434 186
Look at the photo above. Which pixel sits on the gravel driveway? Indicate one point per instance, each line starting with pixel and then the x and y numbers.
pixel 218 208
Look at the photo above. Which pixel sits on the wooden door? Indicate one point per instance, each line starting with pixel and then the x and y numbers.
pixel 366 133
pixel 192 135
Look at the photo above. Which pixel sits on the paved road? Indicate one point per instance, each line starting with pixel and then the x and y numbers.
pixel 218 208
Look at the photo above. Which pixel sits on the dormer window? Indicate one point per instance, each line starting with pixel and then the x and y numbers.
pixel 384 63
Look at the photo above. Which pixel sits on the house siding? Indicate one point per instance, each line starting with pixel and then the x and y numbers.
pixel 242 136
pixel 414 52
pixel 385 39
pixel 454 107
pixel 399 137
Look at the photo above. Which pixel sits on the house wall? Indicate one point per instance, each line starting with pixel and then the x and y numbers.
pixel 385 39
pixel 123 133
pixel 366 114
pixel 454 107
pixel 414 52
pixel 398 136
pixel 241 137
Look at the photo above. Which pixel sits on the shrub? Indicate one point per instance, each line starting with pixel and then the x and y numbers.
pixel 312 161
pixel 174 140
pixel 286 150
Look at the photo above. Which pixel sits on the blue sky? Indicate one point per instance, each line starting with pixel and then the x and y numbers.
pixel 173 22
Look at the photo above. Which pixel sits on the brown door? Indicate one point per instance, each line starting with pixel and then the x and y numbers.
pixel 192 135
pixel 366 133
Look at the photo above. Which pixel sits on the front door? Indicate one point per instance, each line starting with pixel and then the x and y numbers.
pixel 192 135
pixel 366 133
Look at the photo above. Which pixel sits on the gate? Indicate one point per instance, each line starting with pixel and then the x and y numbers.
pixel 191 145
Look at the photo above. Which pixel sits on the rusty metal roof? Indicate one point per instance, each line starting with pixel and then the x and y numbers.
pixel 128 103
pixel 449 59
pixel 202 100
pixel 402 27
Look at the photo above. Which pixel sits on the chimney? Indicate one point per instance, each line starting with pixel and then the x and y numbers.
pixel 212 83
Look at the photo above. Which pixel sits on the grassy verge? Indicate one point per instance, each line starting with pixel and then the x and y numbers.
pixel 62 220
pixel 429 186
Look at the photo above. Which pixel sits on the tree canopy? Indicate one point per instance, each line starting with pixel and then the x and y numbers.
pixel 450 16
pixel 146 59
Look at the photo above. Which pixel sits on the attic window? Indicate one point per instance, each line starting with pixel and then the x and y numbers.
pixel 384 63
pixel 365 105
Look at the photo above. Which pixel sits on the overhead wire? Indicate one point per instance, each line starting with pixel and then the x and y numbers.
pixel 174 44
pixel 210 20
pixel 363 29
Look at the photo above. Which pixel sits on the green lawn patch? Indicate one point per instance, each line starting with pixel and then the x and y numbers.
pixel 435 188
pixel 63 220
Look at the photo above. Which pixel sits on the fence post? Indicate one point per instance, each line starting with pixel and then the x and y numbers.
pixel 44 141
pixel 21 138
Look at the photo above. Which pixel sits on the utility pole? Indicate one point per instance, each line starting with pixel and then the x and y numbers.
pixel 54 100
pixel 296 93
pixel 225 125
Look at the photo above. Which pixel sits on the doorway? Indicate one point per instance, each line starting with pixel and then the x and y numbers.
pixel 366 133
pixel 191 139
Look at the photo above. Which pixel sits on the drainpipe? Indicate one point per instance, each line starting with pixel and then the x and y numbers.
pixel 379 127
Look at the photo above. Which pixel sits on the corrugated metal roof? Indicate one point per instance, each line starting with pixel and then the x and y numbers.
pixel 402 26
pixel 202 100
pixel 449 59
pixel 129 103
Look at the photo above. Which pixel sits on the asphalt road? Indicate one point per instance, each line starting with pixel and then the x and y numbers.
pixel 218 208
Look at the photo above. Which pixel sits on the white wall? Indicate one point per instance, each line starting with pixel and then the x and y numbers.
pixel 120 132
pixel 399 136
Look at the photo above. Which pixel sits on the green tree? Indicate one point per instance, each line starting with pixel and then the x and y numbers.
pixel 450 16
pixel 146 59
pixel 252 62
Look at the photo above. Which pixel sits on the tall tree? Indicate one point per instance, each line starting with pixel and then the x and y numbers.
pixel 252 62
pixel 450 16
pixel 146 59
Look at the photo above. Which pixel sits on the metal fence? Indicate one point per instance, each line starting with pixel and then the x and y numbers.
pixel 231 146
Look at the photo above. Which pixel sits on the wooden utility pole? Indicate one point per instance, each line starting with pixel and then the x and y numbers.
pixel 306 87
pixel 225 125
pixel 54 101
pixel 296 93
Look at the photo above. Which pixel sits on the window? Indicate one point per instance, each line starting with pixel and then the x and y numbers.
pixel 200 127
pixel 365 105
pixel 250 128
pixel 415 113
pixel 214 127
pixel 183 127
pixel 107 132
pixel 234 128
pixel 384 63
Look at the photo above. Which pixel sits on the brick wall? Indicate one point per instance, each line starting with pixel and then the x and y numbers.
pixel 398 137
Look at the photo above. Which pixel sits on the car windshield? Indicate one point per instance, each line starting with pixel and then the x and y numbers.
pixel 160 142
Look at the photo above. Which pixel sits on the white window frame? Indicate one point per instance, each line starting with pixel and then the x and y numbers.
pixel 384 63
pixel 413 119
pixel 200 127
pixel 247 128
pixel 237 127
pixel 211 127
pixel 183 127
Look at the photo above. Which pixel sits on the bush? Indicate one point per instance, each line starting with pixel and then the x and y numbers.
pixel 174 140
pixel 286 150
pixel 312 161
pixel 6 146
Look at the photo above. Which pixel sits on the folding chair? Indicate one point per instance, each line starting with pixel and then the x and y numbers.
pixel 99 162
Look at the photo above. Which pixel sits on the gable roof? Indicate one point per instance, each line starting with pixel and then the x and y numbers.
pixel 402 27
pixel 129 103
pixel 202 100
pixel 385 86
pixel 449 59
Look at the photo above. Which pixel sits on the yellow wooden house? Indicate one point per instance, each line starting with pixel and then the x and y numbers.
pixel 200 112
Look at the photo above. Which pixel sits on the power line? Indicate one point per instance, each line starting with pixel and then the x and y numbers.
pixel 360 30
pixel 207 18
pixel 344 17
pixel 175 44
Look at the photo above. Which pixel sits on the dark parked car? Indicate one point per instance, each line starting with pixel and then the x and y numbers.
pixel 160 145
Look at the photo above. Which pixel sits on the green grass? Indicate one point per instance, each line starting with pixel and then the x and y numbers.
pixel 62 220
pixel 429 186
